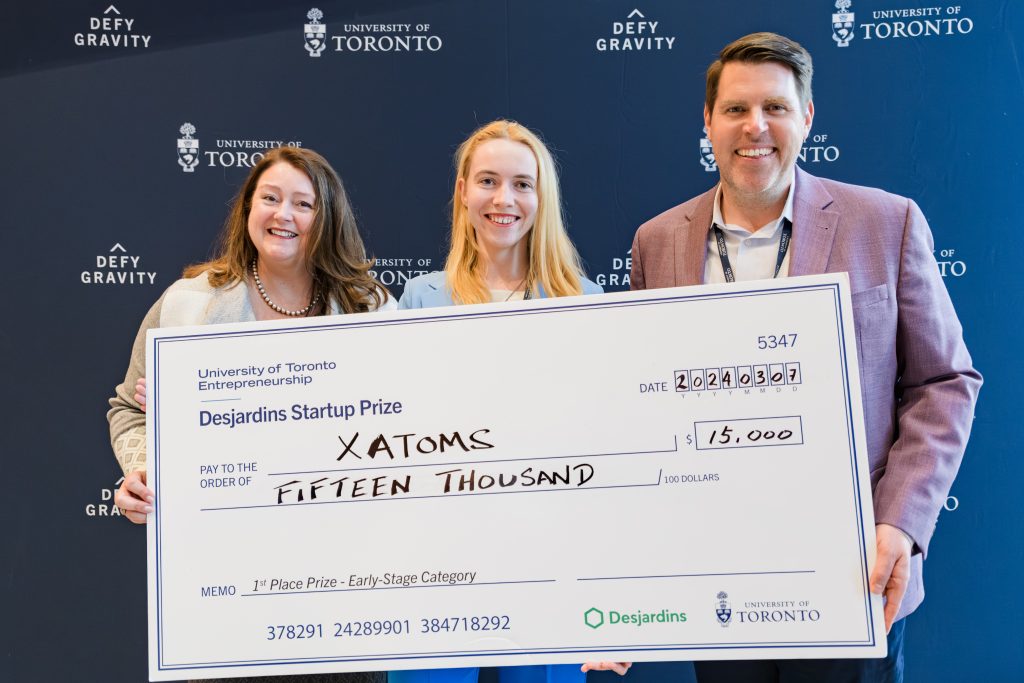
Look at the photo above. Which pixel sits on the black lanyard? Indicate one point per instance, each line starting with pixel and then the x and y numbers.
pixel 787 234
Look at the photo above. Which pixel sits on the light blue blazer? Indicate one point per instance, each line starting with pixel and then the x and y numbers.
pixel 431 290
pixel 428 291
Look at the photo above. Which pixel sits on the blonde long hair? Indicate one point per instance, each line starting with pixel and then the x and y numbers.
pixel 335 256
pixel 553 262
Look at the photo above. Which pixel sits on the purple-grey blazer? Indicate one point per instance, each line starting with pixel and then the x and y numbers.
pixel 917 381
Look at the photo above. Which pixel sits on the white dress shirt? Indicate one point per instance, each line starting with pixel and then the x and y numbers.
pixel 753 255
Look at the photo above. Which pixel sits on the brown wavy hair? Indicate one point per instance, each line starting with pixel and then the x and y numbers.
pixel 335 256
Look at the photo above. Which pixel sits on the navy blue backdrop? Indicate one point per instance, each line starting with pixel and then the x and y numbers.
pixel 102 207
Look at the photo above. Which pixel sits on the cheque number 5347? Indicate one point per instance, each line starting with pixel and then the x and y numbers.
pixel 775 341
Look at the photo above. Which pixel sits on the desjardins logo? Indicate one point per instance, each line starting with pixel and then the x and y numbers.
pixel 596 618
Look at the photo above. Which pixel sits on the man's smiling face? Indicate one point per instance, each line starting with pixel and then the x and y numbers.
pixel 757 126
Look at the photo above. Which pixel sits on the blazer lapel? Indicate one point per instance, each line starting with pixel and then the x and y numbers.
pixel 814 228
pixel 691 242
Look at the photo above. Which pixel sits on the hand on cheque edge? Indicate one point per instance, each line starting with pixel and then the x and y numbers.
pixel 618 667
pixel 134 497
pixel 891 573
pixel 140 392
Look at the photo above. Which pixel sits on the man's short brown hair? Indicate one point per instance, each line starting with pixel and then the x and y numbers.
pixel 759 48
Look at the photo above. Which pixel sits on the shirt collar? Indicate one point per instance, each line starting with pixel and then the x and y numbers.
pixel 767 230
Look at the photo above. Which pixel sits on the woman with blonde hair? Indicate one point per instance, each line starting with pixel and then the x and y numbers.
pixel 289 248
pixel 508 242
pixel 508 237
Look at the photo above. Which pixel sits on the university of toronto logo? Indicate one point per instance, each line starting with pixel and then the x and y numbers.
pixel 188 148
pixel 842 23
pixel 707 155
pixel 364 36
pixel 315 33
pixel 722 609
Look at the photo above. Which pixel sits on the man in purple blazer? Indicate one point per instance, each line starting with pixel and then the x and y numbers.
pixel 767 218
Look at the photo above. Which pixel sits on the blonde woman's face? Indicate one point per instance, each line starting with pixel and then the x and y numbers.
pixel 500 194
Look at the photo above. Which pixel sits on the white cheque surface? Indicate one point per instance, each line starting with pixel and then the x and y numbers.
pixel 663 475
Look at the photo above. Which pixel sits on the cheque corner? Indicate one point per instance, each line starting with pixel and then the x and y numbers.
pixel 596 618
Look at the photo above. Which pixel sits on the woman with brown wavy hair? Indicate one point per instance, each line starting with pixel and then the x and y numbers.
pixel 324 263
pixel 289 248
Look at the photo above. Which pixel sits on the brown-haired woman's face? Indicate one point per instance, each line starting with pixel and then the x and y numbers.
pixel 280 215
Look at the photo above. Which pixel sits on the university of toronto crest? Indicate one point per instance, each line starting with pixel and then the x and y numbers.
pixel 707 155
pixel 315 33
pixel 722 609
pixel 188 148
pixel 842 23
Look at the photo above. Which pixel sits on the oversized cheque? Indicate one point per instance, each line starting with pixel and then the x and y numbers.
pixel 670 474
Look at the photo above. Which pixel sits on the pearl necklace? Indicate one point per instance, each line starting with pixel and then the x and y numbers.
pixel 282 311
